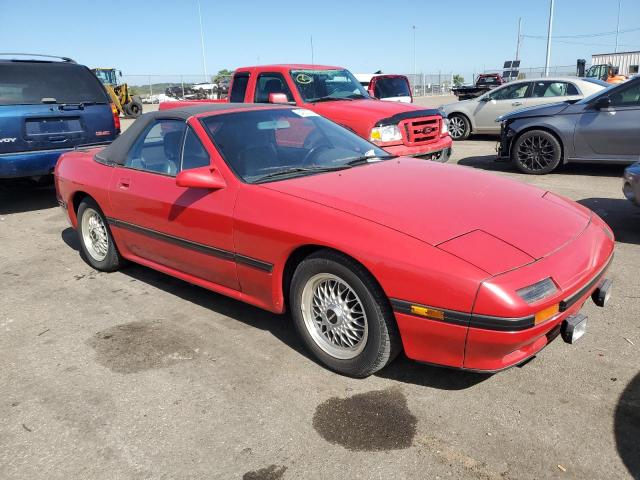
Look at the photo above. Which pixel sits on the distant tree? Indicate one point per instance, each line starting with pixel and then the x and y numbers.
pixel 458 80
pixel 224 73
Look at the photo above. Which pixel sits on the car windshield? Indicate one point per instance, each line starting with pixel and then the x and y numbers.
pixel 30 83
pixel 389 87
pixel 606 91
pixel 324 85
pixel 272 144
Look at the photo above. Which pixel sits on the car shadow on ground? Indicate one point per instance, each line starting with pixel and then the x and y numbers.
pixel 281 326
pixel 627 427
pixel 620 214
pixel 489 162
pixel 17 196
pixel 442 378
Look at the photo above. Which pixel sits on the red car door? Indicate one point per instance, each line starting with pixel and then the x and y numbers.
pixel 185 229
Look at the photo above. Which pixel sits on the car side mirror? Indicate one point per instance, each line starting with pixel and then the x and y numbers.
pixel 602 103
pixel 278 98
pixel 485 99
pixel 204 177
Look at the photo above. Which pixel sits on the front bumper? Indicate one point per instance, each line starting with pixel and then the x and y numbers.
pixel 481 342
pixel 29 164
pixel 439 151
pixel 503 148
pixel 631 184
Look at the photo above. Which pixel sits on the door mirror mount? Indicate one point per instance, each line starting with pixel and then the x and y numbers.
pixel 204 177
pixel 602 103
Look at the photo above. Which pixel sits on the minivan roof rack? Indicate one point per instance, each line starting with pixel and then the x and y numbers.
pixel 37 55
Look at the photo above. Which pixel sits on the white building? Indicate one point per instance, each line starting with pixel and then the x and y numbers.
pixel 627 62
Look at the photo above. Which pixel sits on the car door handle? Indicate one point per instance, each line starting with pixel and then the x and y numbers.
pixel 516 104
pixel 124 183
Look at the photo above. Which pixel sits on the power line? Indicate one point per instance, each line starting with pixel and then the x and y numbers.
pixel 587 35
pixel 555 40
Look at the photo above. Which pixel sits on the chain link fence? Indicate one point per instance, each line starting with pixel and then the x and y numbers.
pixel 525 73
pixel 161 88
pixel 157 88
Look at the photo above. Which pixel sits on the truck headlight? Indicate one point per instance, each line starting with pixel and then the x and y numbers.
pixel 445 126
pixel 388 133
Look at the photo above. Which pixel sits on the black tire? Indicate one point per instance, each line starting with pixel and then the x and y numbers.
pixel 112 260
pixel 382 343
pixel 461 126
pixel 536 152
pixel 133 109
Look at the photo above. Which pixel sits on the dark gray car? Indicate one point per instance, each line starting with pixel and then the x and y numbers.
pixel 602 128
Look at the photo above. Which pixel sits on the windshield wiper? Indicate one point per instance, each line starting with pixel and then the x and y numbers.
pixel 368 159
pixel 294 170
pixel 330 99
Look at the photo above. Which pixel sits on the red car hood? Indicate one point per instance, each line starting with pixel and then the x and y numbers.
pixel 436 203
pixel 372 110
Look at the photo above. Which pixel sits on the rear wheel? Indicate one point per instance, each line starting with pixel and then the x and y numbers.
pixel 536 152
pixel 342 315
pixel 96 242
pixel 459 127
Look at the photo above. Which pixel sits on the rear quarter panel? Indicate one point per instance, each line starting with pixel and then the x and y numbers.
pixel 78 174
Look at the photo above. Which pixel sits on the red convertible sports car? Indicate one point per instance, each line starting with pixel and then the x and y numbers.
pixel 372 254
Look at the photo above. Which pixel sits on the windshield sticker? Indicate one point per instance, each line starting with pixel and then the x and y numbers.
pixel 304 79
pixel 305 113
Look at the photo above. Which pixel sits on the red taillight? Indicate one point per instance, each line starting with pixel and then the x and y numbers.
pixel 116 118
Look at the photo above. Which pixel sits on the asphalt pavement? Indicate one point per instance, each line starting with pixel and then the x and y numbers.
pixel 136 375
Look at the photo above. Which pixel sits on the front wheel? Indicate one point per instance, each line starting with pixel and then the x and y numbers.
pixel 459 127
pixel 536 152
pixel 342 315
pixel 96 242
pixel 133 108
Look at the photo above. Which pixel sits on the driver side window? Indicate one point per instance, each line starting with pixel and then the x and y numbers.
pixel 510 92
pixel 629 97
pixel 157 149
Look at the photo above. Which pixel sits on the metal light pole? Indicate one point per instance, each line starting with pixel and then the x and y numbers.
pixel 519 38
pixel 204 59
pixel 618 25
pixel 312 61
pixel 546 64
pixel 414 52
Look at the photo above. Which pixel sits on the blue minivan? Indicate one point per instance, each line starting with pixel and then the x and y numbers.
pixel 49 105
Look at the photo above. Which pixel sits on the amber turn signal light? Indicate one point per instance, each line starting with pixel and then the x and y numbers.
pixel 427 312
pixel 547 313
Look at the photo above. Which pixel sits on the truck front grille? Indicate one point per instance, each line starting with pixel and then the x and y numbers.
pixel 422 130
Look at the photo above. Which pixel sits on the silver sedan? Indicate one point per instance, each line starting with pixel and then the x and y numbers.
pixel 478 115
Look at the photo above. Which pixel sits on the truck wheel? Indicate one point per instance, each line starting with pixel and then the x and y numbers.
pixel 133 109
pixel 459 127
pixel 342 315
pixel 536 152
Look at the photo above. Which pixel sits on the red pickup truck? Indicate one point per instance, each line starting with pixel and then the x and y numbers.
pixel 333 92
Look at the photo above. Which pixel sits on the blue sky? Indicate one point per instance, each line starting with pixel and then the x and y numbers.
pixel 163 36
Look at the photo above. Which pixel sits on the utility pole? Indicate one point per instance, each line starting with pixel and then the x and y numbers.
pixel 519 39
pixel 618 25
pixel 204 58
pixel 414 53
pixel 312 50
pixel 549 31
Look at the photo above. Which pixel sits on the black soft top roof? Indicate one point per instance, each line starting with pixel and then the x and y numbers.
pixel 118 149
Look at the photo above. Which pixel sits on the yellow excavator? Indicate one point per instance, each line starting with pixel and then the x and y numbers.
pixel 127 104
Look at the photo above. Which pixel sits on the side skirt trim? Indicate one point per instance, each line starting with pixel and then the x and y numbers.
pixel 198 247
